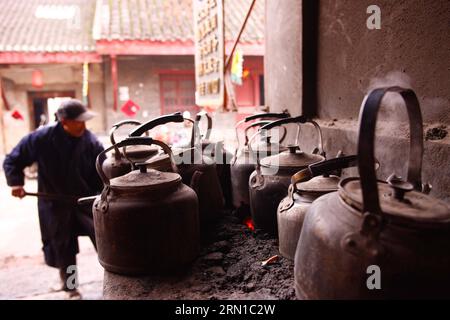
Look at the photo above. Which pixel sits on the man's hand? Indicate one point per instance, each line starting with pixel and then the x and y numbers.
pixel 18 192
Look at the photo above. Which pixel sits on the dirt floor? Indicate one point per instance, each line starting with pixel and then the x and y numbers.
pixel 230 267
pixel 23 273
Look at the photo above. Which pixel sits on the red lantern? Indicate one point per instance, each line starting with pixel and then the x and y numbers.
pixel 37 79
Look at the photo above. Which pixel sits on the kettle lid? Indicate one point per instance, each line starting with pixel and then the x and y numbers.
pixel 148 178
pixel 292 159
pixel 160 162
pixel 412 206
pixel 319 185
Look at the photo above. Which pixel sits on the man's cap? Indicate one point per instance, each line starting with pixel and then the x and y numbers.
pixel 74 110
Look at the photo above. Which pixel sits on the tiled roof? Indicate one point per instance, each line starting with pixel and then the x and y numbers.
pixel 35 26
pixel 170 20
pixel 46 25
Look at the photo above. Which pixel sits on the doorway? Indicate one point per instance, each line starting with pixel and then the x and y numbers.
pixel 42 106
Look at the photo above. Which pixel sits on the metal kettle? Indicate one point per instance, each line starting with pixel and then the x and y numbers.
pixel 270 181
pixel 196 170
pixel 391 228
pixel 306 186
pixel 244 162
pixel 146 221
pixel 117 164
pixel 215 150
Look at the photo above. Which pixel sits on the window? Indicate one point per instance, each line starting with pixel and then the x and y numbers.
pixel 177 93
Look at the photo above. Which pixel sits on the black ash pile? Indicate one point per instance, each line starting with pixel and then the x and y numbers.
pixel 234 263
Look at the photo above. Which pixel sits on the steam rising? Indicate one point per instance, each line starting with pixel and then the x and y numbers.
pixel 393 78
pixel 392 107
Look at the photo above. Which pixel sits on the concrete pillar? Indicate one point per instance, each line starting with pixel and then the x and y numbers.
pixel 283 58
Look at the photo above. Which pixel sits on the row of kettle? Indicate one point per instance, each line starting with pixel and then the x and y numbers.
pixel 360 237
pixel 197 169
pixel 171 199
pixel 155 206
pixel 148 219
pixel 261 172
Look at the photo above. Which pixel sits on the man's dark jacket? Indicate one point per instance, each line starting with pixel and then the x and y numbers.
pixel 66 165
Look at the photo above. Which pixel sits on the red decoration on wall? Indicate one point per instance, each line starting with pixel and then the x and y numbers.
pixel 130 108
pixel 37 79
pixel 245 73
pixel 17 115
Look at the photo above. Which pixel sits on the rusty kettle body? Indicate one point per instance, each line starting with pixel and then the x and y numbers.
pixel 306 186
pixel 270 181
pixel 244 161
pixel 216 151
pixel 146 222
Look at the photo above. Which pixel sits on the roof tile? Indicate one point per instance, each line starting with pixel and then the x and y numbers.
pixel 46 26
pixel 171 20
pixel 75 25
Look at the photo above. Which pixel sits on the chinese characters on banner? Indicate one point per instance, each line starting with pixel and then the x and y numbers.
pixel 209 52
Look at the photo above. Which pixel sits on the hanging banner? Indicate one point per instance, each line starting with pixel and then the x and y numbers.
pixel 85 89
pixel 237 67
pixel 209 52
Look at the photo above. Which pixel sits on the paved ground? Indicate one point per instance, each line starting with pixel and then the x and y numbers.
pixel 23 273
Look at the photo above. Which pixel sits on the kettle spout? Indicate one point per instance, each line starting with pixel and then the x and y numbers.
pixel 86 201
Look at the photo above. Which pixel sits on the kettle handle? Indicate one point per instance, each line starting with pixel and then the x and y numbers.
pixel 299 120
pixel 168 118
pixel 324 167
pixel 174 117
pixel 132 141
pixel 276 123
pixel 116 126
pixel 267 115
pixel 199 116
pixel 271 125
pixel 366 144
pixel 260 123
pixel 255 124
pixel 196 129
pixel 314 170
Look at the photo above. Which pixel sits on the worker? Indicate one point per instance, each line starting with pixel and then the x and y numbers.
pixel 65 152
